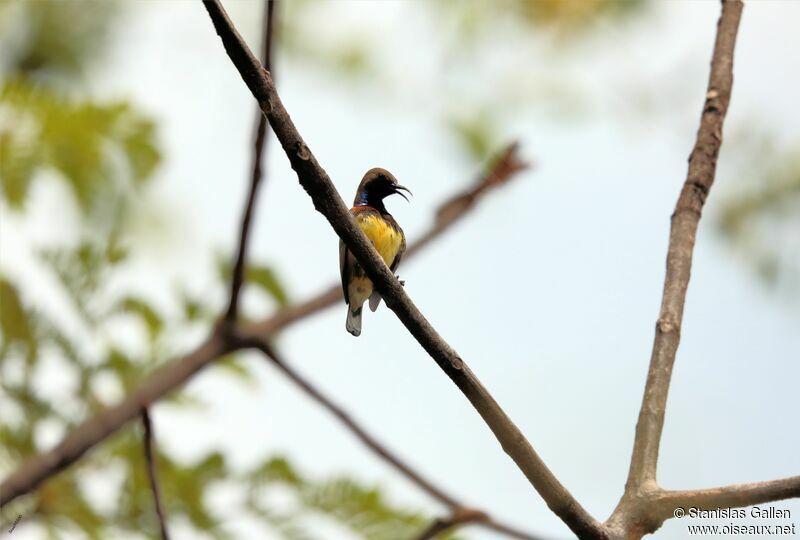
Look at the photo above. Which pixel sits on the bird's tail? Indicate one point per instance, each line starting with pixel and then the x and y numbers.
pixel 353 324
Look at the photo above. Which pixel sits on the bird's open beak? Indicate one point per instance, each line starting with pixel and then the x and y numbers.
pixel 397 189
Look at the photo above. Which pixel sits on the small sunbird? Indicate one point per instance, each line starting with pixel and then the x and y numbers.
pixel 384 233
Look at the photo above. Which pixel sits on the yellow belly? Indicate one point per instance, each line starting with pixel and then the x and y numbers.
pixel 384 237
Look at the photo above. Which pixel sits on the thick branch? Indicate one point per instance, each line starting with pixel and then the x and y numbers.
pixel 327 201
pixel 152 472
pixel 259 151
pixel 460 513
pixel 702 168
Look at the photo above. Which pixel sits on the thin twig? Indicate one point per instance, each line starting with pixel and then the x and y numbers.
pixel 94 430
pixel 259 151
pixel 456 519
pixel 152 466
pixel 460 514
pixel 327 201
pixel 507 530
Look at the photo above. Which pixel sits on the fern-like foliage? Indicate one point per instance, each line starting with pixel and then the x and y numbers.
pixel 364 510
pixel 101 151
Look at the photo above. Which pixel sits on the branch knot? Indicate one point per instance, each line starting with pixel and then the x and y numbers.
pixel 303 152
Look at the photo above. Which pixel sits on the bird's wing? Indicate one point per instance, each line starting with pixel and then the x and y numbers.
pixel 396 261
pixel 344 269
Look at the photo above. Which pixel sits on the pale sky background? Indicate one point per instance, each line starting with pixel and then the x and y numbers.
pixel 549 290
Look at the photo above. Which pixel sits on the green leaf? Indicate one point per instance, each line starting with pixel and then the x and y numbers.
pixel 265 279
pixel 56 41
pixel 476 133
pixel 233 364
pixel 195 309
pixel 60 500
pixel 14 321
pixel 139 307
pixel 103 152
pixel 766 204
pixel 363 509
pixel 17 163
pixel 262 276
pixel 276 469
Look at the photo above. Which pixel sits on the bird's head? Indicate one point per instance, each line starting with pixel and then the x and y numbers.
pixel 377 184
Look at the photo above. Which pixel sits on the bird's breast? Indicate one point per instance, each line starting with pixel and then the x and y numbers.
pixel 386 239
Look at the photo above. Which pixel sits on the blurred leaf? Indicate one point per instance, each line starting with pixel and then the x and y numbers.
pixel 17 442
pixel 234 365
pixel 80 269
pixel 477 133
pixel 571 15
pixel 144 311
pixel 348 56
pixel 194 309
pixel 265 279
pixel 262 276
pixel 14 321
pixel 60 500
pixel 275 469
pixel 767 206
pixel 364 510
pixel 288 524
pixel 53 41
pixel 18 161
pixel 183 486
pixel 83 141
pixel 352 58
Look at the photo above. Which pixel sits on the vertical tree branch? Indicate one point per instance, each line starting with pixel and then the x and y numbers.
pixel 700 177
pixel 150 456
pixel 259 151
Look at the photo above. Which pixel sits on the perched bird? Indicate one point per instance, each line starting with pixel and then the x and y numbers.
pixel 384 233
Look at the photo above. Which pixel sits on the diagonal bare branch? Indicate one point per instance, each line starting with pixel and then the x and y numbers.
pixel 702 169
pixel 259 151
pixel 460 514
pixel 152 474
pixel 327 201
